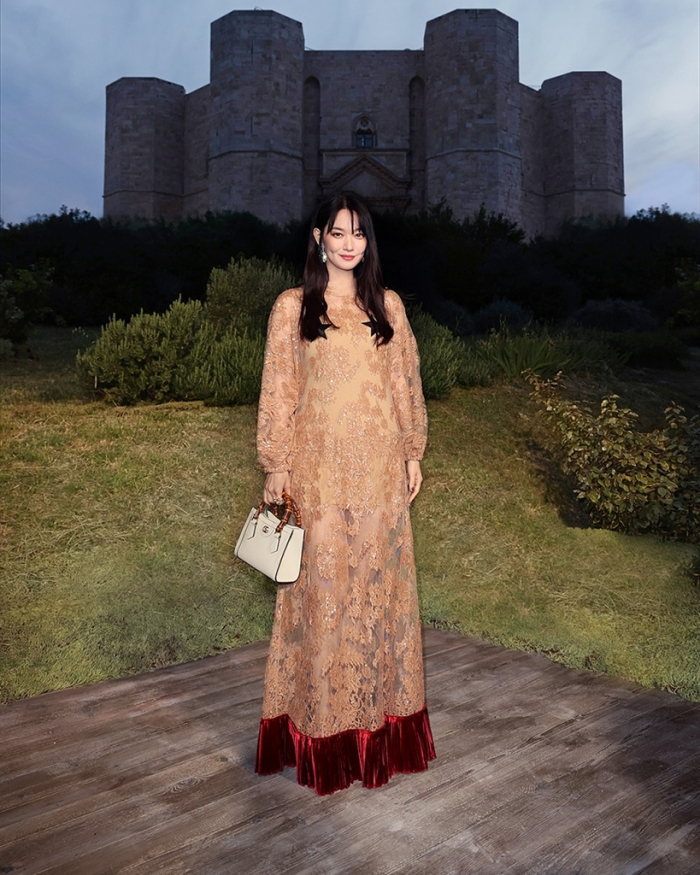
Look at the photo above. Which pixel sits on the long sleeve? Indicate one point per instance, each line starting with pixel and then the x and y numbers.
pixel 405 381
pixel 279 393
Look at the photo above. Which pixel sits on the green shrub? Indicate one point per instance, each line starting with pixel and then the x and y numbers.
pixel 537 351
pixel 530 350
pixel 6 349
pixel 615 314
pixel 502 312
pixel 14 322
pixel 146 358
pixel 476 369
pixel 455 316
pixel 441 354
pixel 225 370
pixel 688 283
pixel 629 480
pixel 242 294
pixel 23 300
pixel 590 351
pixel 647 349
pixel 211 352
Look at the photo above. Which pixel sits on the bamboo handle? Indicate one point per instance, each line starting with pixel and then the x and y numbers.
pixel 290 507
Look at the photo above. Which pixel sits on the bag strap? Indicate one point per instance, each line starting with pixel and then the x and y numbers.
pixel 290 507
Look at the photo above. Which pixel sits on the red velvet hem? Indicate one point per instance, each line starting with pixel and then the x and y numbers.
pixel 401 744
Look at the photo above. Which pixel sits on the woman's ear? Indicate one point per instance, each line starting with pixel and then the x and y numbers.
pixel 317 235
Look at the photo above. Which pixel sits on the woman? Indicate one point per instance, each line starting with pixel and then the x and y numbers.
pixel 342 428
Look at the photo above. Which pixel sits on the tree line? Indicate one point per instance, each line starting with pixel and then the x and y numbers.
pixel 74 269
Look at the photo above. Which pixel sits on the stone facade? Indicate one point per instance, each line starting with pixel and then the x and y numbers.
pixel 279 127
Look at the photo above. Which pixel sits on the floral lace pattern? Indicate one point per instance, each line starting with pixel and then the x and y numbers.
pixel 343 415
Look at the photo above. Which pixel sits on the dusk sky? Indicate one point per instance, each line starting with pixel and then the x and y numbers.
pixel 57 57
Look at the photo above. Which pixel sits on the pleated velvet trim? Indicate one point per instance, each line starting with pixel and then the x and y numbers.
pixel 401 744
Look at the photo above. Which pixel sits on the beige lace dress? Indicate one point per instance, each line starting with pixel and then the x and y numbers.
pixel 344 693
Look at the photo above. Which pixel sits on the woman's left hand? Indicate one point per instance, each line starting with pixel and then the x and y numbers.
pixel 414 478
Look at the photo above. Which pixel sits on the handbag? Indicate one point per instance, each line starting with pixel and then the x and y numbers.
pixel 272 544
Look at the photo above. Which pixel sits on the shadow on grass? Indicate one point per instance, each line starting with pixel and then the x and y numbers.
pixel 558 488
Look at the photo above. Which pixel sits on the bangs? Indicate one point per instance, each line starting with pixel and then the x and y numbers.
pixel 359 216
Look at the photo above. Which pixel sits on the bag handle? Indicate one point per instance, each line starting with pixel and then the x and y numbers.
pixel 290 507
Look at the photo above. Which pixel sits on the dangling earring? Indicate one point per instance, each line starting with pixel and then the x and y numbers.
pixel 322 252
pixel 363 258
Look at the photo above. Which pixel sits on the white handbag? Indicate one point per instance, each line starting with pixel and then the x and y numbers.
pixel 273 545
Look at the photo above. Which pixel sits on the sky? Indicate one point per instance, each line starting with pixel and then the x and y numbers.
pixel 58 56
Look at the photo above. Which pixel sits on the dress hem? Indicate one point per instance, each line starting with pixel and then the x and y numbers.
pixel 331 763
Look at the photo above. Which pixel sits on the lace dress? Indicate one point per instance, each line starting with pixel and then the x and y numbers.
pixel 344 693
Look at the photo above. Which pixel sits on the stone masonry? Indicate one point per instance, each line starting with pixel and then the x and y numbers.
pixel 280 127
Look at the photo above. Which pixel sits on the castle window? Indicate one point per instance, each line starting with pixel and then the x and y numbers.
pixel 365 133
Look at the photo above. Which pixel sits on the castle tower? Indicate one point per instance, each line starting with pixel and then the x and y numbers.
pixel 255 143
pixel 472 106
pixel 144 149
pixel 582 146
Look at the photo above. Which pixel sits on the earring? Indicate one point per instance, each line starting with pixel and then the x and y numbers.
pixel 363 258
pixel 322 252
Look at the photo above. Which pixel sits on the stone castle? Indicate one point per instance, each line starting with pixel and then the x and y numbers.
pixel 280 127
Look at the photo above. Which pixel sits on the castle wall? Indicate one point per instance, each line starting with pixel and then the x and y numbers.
pixel 416 115
pixel 144 149
pixel 311 146
pixel 196 152
pixel 371 86
pixel 472 102
pixel 533 203
pixel 255 143
pixel 356 83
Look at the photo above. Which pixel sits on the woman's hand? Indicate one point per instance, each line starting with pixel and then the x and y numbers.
pixel 414 478
pixel 275 485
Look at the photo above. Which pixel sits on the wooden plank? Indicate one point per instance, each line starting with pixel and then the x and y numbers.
pixel 540 769
pixel 30 715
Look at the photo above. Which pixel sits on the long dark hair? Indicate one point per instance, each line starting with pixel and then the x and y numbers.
pixel 368 273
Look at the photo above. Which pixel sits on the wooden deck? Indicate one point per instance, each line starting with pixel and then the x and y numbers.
pixel 540 769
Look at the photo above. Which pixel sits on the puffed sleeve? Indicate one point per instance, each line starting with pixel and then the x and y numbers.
pixel 404 364
pixel 279 392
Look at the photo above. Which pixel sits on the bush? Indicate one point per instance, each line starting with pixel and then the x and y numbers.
pixel 14 322
pixel 502 313
pixel 476 369
pixel 242 294
pixel 23 300
pixel 590 351
pixel 451 314
pixel 441 354
pixel 647 349
pixel 629 480
pixel 211 352
pixel 614 314
pixel 225 370
pixel 537 351
pixel 6 349
pixel 512 354
pixel 688 285
pixel 145 359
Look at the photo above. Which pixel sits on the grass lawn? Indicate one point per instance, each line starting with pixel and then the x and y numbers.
pixel 118 526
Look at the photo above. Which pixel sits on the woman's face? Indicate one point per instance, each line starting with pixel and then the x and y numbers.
pixel 344 246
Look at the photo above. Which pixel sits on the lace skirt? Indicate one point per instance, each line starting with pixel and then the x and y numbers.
pixel 344 696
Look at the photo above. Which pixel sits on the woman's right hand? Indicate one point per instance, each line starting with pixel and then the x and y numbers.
pixel 275 485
